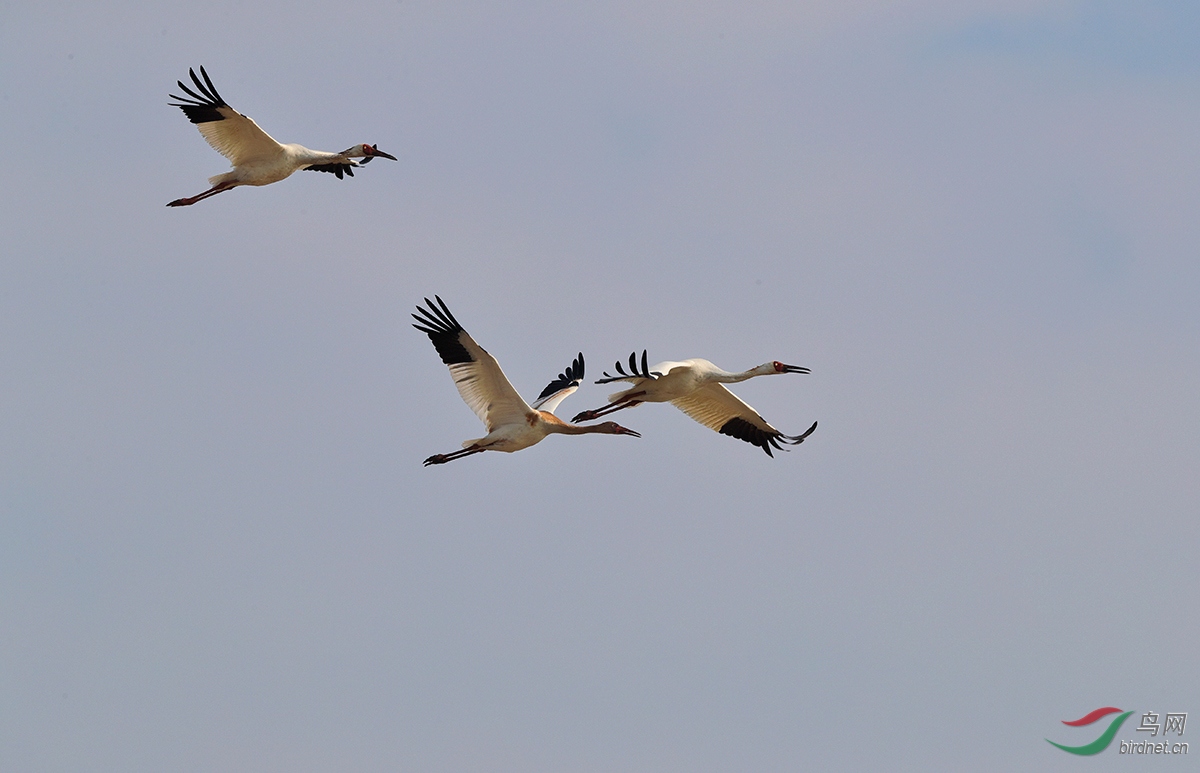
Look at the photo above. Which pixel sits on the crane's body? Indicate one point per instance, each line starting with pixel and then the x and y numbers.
pixel 279 164
pixel 257 158
pixel 697 387
pixel 679 379
pixel 512 423
pixel 536 426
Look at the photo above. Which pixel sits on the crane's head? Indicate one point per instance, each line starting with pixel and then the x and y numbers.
pixel 367 152
pixel 612 428
pixel 779 367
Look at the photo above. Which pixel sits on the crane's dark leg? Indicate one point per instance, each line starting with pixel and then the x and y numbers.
pixel 610 408
pixel 213 191
pixel 443 458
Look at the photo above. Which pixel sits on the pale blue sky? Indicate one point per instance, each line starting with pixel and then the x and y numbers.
pixel 975 222
pixel 1153 38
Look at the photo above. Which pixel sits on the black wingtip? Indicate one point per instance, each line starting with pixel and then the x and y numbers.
pixel 208 82
pixel 575 372
pixel 201 104
pixel 441 303
pixel 443 330
pixel 335 169
pixel 795 440
pixel 570 377
pixel 634 372
pixel 741 429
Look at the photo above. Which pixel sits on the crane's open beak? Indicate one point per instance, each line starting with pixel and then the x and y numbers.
pixel 795 369
pixel 377 152
pixel 626 431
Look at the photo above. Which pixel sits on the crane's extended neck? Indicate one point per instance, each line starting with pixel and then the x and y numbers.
pixel 766 369
pixel 725 377
pixel 556 425
pixel 309 156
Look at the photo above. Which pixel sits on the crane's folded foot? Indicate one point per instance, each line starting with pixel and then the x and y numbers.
pixel 436 459
pixel 583 416
pixel 182 202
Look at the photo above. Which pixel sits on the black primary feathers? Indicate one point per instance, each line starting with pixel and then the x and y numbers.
pixel 338 169
pixel 202 107
pixel 633 370
pixel 444 331
pixel 571 377
pixel 743 430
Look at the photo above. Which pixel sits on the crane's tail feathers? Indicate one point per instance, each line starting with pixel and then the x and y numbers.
pixel 633 371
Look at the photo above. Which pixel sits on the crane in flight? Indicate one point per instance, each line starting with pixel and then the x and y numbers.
pixel 512 424
pixel 256 157
pixel 697 387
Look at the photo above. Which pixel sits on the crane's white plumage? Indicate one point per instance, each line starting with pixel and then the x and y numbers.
pixel 239 138
pixel 256 157
pixel 696 387
pixel 512 423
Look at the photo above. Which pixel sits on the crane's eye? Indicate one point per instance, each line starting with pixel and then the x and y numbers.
pixel 778 366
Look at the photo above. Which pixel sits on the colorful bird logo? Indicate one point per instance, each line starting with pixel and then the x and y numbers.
pixel 1101 743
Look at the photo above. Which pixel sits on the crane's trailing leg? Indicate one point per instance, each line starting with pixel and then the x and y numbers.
pixel 213 191
pixel 443 458
pixel 611 408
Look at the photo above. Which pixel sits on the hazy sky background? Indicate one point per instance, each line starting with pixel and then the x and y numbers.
pixel 976 222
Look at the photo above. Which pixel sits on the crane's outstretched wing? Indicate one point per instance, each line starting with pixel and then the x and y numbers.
pixel 483 386
pixel 634 376
pixel 230 133
pixel 338 169
pixel 717 408
pixel 558 389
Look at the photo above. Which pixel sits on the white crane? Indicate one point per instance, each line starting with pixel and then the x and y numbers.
pixel 257 158
pixel 512 424
pixel 697 387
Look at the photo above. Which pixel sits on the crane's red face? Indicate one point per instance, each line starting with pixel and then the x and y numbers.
pixel 371 151
pixel 782 368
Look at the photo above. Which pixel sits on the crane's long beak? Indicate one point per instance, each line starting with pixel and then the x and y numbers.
pixel 795 369
pixel 627 431
pixel 381 154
